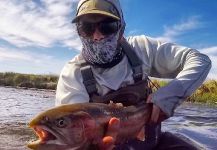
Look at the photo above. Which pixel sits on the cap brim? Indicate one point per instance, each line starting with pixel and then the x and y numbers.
pixel 95 12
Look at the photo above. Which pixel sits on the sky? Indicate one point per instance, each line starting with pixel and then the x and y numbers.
pixel 37 37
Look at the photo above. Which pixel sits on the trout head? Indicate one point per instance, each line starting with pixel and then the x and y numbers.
pixel 62 127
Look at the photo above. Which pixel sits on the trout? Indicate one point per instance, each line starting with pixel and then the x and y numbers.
pixel 78 126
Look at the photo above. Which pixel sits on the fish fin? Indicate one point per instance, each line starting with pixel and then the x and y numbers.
pixel 141 135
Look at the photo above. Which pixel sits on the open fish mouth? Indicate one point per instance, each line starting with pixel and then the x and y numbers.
pixel 48 140
pixel 45 136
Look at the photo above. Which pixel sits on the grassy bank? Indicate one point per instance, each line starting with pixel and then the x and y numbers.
pixel 28 80
pixel 207 93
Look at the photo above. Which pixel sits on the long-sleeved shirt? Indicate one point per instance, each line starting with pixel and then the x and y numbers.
pixel 187 68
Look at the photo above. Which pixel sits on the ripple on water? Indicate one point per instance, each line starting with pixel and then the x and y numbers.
pixel 197 122
pixel 203 135
pixel 14 135
pixel 17 107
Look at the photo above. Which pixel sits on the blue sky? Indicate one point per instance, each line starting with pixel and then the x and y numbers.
pixel 36 36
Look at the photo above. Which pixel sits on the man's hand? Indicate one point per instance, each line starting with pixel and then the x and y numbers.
pixel 108 141
pixel 157 114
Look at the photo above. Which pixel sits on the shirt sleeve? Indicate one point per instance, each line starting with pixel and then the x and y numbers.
pixel 188 68
pixel 70 88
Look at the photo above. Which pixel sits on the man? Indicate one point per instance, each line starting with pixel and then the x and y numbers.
pixel 109 63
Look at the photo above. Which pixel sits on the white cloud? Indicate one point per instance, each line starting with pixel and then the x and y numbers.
pixel 210 50
pixel 22 61
pixel 15 55
pixel 76 44
pixel 213 71
pixel 212 53
pixel 134 32
pixel 27 23
pixel 172 32
pixel 8 55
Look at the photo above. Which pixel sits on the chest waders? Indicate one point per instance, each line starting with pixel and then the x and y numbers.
pixel 134 94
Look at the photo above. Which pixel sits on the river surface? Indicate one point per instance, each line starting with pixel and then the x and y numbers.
pixel 18 106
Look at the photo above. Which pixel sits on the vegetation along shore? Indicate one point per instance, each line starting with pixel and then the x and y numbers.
pixel 207 93
pixel 28 80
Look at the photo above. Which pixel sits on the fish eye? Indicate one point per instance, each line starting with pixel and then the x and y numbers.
pixel 61 123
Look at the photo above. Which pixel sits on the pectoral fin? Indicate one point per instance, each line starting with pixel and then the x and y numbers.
pixel 141 135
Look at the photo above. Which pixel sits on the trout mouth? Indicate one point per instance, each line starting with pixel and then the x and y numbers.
pixel 45 136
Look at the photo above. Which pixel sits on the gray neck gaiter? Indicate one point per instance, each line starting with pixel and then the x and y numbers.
pixel 100 52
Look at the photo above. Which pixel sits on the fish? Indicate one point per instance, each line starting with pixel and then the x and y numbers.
pixel 78 126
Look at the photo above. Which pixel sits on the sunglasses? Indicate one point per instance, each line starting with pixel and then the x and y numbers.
pixel 105 27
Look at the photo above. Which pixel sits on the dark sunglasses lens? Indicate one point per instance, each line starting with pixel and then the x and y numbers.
pixel 107 28
pixel 85 29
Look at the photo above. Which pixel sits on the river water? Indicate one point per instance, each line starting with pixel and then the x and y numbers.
pixel 18 106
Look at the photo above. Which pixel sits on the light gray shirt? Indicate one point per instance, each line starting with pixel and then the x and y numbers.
pixel 187 67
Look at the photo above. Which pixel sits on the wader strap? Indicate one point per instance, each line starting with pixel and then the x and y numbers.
pixel 88 78
pixel 134 60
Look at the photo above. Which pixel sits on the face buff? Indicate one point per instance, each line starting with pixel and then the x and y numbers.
pixel 101 52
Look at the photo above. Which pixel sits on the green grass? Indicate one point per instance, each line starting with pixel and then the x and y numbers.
pixel 28 80
pixel 206 93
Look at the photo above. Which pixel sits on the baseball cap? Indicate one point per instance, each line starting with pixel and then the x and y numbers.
pixel 101 7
